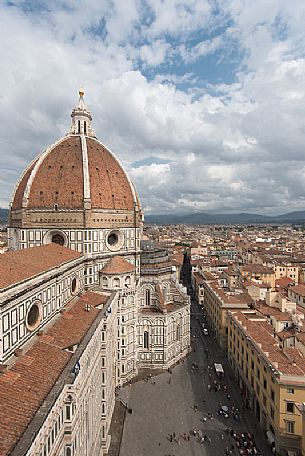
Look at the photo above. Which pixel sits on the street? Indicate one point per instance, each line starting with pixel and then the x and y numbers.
pixel 171 406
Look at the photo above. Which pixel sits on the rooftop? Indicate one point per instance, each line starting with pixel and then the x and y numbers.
pixel 298 289
pixel 35 372
pixel 289 361
pixel 19 265
pixel 117 265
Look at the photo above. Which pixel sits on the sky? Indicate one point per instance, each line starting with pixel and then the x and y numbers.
pixel 203 101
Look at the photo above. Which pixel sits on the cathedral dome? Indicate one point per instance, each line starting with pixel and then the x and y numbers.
pixel 74 173
pixel 78 172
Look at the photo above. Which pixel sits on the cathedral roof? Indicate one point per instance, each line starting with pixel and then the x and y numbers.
pixel 77 172
pixel 37 370
pixel 117 265
pixel 17 266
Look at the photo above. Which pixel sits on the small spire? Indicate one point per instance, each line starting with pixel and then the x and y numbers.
pixel 81 118
pixel 81 102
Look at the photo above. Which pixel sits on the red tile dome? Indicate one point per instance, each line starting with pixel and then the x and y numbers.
pixel 63 178
pixel 78 172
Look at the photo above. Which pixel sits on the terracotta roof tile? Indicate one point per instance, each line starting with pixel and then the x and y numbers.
pixel 177 259
pixel 283 282
pixel 298 289
pixel 117 265
pixel 110 187
pixel 257 269
pixel 19 265
pixel 17 201
pixel 33 381
pixel 288 361
pixel 59 179
pixel 198 278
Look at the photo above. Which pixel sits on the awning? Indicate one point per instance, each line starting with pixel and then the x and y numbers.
pixel 270 438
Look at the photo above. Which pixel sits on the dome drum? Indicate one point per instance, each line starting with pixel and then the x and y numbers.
pixel 76 184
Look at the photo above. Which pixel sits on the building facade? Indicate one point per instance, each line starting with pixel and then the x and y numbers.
pixel 84 305
pixel 271 378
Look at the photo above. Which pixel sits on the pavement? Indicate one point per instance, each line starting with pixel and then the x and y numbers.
pixel 164 405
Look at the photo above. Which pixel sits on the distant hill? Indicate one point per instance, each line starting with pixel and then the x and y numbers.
pixel 204 218
pixel 3 215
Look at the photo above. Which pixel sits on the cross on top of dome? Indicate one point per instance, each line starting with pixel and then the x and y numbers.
pixel 81 118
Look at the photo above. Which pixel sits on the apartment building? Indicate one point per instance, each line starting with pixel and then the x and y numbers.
pixel 271 379
pixel 259 273
pixel 218 300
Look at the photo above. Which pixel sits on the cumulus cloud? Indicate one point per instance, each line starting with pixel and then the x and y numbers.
pixel 232 140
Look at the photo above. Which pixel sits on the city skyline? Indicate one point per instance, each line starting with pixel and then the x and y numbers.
pixel 202 103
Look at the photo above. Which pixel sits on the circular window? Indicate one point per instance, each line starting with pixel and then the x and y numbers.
pixel 33 317
pixel 74 285
pixel 115 240
pixel 58 239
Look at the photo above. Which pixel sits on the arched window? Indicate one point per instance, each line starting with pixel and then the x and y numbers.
pixel 116 282
pixel 147 297
pixel 85 127
pixel 146 339
pixel 58 239
pixel 104 281
pixel 127 281
pixel 178 332
pixel 78 126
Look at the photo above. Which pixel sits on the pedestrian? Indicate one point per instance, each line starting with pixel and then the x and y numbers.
pixel 178 441
pixel 222 436
pixel 174 435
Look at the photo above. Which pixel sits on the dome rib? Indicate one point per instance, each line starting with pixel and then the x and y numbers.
pixel 77 172
pixel 17 196
pixel 122 180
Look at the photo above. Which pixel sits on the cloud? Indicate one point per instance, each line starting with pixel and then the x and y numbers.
pixel 233 140
pixel 191 54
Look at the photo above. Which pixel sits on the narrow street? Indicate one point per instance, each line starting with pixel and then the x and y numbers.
pixel 165 405
pixel 180 403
